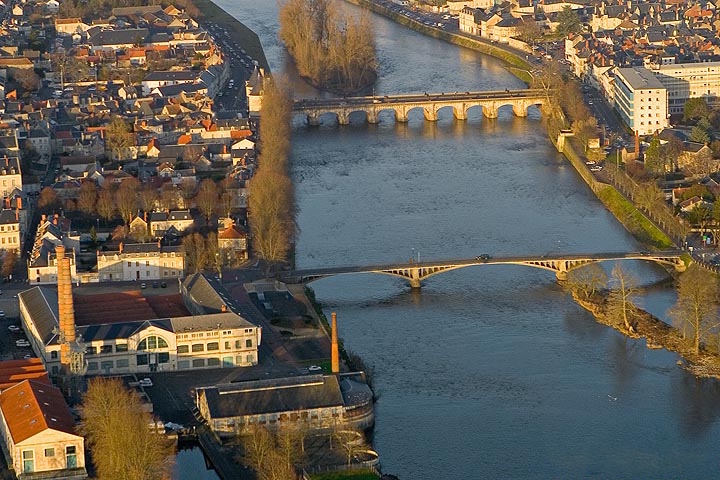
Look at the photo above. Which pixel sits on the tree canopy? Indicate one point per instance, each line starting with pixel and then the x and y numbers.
pixel 568 22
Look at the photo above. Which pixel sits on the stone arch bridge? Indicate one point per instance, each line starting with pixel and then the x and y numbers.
pixel 415 273
pixel 430 103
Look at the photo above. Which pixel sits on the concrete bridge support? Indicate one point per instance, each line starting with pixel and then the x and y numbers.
pixel 520 110
pixel 372 116
pixel 313 120
pixel 430 114
pixel 460 112
pixel 414 278
pixel 343 118
pixel 401 115
pixel 490 111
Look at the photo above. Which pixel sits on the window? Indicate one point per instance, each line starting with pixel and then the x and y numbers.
pixel 249 359
pixel 183 349
pixel 237 343
pixel 91 350
pixel 122 363
pixel 70 457
pixel 198 347
pixel 28 461
pixel 129 264
pixel 198 362
pixel 248 343
pixel 227 345
pixel 163 357
pixel 53 355
pixel 212 346
pixel 213 362
pixel 92 366
pixel 183 364
pixel 152 342
pixel 121 347
pixel 49 452
pixel 106 349
pixel 106 364
pixel 142 359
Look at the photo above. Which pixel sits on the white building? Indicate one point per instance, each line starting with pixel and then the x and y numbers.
pixel 141 261
pixel 689 80
pixel 641 100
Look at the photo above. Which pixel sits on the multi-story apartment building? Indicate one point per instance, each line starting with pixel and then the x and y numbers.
pixel 641 100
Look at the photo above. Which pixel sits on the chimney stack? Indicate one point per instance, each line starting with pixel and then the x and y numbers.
pixel 66 310
pixel 223 308
pixel 334 351
pixel 18 202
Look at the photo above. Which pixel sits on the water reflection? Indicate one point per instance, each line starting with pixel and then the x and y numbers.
pixel 191 464
pixel 696 403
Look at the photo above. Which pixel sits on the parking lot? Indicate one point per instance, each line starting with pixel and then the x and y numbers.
pixel 10 324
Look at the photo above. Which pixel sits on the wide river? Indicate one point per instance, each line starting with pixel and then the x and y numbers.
pixel 488 372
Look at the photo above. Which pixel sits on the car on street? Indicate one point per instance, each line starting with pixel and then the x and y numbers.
pixel 13 328
pixel 143 285
pixel 314 368
pixel 22 343
pixel 2 313
pixel 163 285
pixel 145 382
pixel 484 257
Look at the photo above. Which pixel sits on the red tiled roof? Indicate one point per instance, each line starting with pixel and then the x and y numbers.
pixel 31 407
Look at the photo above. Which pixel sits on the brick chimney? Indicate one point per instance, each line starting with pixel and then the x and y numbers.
pixel 121 247
pixel 223 308
pixel 43 218
pixel 66 310
pixel 334 350
pixel 18 202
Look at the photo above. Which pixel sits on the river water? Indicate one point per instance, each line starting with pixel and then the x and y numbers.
pixel 489 371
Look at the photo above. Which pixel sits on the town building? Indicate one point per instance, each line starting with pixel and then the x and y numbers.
pixel 42 265
pixel 641 100
pixel 127 332
pixel 318 401
pixel 10 238
pixel 689 80
pixel 38 432
pixel 141 261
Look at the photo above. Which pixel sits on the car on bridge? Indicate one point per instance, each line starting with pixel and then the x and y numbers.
pixel 483 258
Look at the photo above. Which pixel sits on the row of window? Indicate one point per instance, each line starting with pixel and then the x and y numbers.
pixel 215 362
pixel 10 228
pixel 212 346
pixel 185 336
pixel 10 240
pixel 28 458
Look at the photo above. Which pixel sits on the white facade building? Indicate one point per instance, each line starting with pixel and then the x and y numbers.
pixel 641 100
pixel 689 80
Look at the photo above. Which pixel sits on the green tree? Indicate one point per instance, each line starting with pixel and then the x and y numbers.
pixel 117 137
pixel 695 313
pixel 568 22
pixel 117 429
pixel 695 108
pixel 653 157
pixel 699 135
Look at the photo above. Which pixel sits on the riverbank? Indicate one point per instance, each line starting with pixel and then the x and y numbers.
pixel 657 334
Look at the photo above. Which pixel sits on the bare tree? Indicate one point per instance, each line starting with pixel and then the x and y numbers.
pixel 206 198
pixel 106 204
pixel 587 280
pixel 350 440
pixel 26 78
pixel 196 254
pixel 258 445
pixel 9 261
pixel 619 300
pixel 169 197
pixel 116 427
pixel 126 199
pixel 87 197
pixel 272 223
pixel 147 198
pixel 695 312
pixel 48 201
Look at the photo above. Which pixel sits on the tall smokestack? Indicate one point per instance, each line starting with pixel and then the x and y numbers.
pixel 66 310
pixel 334 351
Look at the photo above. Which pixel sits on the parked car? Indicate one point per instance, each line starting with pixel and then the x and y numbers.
pixel 314 368
pixel 13 328
pixel 163 285
pixel 22 343
pixel 2 313
pixel 143 285
pixel 145 382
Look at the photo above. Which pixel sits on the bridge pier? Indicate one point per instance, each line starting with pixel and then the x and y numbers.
pixel 343 118
pixel 561 275
pixel 430 115
pixel 490 111
pixel 520 110
pixel 401 115
pixel 414 278
pixel 460 113
pixel 313 120
pixel 372 117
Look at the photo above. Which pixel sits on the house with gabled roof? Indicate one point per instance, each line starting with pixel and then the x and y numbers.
pixel 39 433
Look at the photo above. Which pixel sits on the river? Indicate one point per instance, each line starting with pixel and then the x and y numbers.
pixel 489 371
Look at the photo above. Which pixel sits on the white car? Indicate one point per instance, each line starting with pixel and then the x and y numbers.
pixel 145 382
pixel 13 328
pixel 22 343
pixel 314 368
pixel 2 313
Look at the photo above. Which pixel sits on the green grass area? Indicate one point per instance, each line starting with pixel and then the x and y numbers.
pixel 636 223
pixel 243 36
pixel 347 475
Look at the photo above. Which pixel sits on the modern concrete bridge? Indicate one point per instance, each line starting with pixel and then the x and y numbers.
pixel 415 273
pixel 430 103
